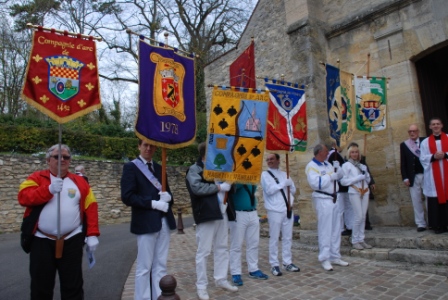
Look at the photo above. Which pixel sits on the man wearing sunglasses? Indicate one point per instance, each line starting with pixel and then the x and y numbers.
pixel 62 212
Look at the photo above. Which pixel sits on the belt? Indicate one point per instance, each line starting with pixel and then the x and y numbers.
pixel 325 193
pixel 361 191
pixel 247 210
pixel 53 237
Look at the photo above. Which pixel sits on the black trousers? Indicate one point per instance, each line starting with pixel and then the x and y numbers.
pixel 437 214
pixel 43 267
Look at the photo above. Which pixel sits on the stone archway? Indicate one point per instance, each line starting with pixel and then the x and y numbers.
pixel 432 73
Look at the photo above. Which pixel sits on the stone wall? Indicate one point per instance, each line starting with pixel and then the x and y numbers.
pixel 104 178
pixel 292 37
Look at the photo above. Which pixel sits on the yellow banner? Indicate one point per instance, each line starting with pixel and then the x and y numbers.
pixel 236 135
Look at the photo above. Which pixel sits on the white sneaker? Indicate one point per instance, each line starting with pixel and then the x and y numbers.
pixel 224 284
pixel 339 262
pixel 203 295
pixel 358 246
pixel 365 245
pixel 327 266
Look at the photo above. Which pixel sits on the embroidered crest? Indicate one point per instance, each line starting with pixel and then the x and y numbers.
pixel 64 74
pixel 71 193
pixel 168 80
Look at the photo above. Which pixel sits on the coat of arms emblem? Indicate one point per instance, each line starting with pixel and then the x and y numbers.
pixel 64 76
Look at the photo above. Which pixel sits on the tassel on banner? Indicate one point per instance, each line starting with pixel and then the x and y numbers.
pixel 234 88
pixel 283 82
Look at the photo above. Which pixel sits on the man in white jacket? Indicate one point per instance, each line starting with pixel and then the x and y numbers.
pixel 276 184
pixel 321 176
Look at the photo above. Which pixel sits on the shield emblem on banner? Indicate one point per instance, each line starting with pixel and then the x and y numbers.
pixel 63 76
pixel 370 107
pixel 170 87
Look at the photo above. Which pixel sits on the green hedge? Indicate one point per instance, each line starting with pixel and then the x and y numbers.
pixel 29 140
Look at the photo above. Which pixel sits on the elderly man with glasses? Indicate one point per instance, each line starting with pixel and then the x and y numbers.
pixel 61 211
pixel 412 174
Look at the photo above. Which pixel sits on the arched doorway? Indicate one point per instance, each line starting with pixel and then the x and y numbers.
pixel 432 73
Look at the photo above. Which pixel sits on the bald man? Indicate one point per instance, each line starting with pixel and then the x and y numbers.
pixel 412 174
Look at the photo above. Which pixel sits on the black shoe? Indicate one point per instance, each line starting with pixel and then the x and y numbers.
pixel 346 232
pixel 439 230
pixel 420 229
pixel 368 227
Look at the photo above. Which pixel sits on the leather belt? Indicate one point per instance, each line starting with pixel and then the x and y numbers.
pixel 53 237
pixel 325 193
pixel 247 210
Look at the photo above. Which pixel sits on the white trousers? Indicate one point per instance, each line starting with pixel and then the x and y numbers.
pixel 417 202
pixel 278 222
pixel 208 234
pixel 328 228
pixel 151 262
pixel 360 207
pixel 346 210
pixel 246 227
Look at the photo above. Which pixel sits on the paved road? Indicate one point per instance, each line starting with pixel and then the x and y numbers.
pixel 114 258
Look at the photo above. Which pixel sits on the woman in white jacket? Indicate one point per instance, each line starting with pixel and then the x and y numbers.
pixel 357 178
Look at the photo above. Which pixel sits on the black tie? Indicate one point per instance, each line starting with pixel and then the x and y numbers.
pixel 150 167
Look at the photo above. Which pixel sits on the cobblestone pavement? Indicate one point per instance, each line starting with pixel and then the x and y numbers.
pixel 361 280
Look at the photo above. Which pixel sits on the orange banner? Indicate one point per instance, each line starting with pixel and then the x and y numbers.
pixel 62 76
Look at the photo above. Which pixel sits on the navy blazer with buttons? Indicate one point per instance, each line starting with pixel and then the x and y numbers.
pixel 138 192
pixel 408 162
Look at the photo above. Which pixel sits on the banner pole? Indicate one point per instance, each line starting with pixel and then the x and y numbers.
pixel 365 134
pixel 287 176
pixel 242 77
pixel 163 169
pixel 59 176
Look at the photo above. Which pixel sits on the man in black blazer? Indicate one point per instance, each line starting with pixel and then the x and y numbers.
pixel 412 174
pixel 151 220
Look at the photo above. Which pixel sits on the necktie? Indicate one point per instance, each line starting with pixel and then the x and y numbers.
pixel 150 168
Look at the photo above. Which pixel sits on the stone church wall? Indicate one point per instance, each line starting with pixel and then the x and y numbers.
pixel 292 37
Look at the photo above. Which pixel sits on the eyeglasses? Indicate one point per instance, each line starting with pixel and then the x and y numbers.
pixel 65 157
pixel 411 131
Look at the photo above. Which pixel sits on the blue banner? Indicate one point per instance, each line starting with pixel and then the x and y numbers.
pixel 333 85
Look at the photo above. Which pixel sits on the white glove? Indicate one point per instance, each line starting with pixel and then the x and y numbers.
pixel 92 242
pixel 361 177
pixel 288 182
pixel 159 205
pixel 165 197
pixel 336 164
pixel 56 185
pixel 224 187
pixel 363 168
pixel 334 176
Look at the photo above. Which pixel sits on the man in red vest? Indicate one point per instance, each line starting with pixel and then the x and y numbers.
pixel 434 159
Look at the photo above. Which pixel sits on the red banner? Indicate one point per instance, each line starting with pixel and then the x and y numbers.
pixel 242 70
pixel 62 76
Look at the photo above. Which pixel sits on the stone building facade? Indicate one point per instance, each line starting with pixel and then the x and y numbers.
pixel 104 178
pixel 403 40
